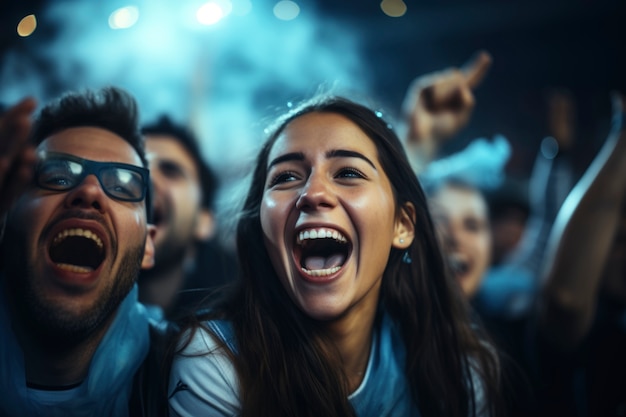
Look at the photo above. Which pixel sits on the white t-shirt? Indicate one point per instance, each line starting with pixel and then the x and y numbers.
pixel 204 384
pixel 210 386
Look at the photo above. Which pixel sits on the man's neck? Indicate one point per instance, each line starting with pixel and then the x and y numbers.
pixel 160 285
pixel 53 366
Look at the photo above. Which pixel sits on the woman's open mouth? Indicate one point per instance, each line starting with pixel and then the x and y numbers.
pixel 321 252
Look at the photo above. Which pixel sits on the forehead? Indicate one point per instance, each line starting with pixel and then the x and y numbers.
pixel 456 200
pixel 167 147
pixel 92 143
pixel 321 132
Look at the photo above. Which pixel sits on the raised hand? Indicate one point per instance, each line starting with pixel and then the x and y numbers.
pixel 582 239
pixel 17 156
pixel 439 104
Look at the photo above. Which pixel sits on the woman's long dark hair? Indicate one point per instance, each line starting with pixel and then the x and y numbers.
pixel 285 363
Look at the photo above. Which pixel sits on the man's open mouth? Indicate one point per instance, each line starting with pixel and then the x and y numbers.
pixel 77 250
pixel 321 251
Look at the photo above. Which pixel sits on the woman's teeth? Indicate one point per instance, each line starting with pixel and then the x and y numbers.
pixel 321 233
pixel 321 272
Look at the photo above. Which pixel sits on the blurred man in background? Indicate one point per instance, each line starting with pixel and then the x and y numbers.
pixel 189 261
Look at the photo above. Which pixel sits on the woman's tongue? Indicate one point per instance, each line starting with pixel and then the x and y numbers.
pixel 313 263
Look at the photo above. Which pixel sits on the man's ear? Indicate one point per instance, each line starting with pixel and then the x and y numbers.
pixel 148 253
pixel 205 225
pixel 404 227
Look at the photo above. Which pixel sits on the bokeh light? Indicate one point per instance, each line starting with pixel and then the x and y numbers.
pixel 27 26
pixel 124 18
pixel 393 8
pixel 286 10
pixel 210 13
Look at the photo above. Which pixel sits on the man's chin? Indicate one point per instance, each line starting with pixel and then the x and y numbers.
pixel 60 327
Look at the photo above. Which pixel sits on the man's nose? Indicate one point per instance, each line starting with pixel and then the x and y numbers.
pixel 87 194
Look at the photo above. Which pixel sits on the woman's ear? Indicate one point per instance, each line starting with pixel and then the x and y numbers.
pixel 404 227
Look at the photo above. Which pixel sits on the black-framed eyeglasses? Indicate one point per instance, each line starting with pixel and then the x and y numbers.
pixel 57 171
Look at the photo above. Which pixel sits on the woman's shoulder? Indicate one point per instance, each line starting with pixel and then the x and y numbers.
pixel 203 377
pixel 206 338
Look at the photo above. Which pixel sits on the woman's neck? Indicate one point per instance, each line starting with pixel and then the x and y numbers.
pixel 352 335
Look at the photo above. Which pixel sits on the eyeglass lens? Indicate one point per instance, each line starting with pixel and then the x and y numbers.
pixel 63 174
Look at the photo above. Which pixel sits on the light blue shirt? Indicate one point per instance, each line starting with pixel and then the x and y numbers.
pixel 107 387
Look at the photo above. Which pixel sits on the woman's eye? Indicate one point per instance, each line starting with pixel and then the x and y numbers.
pixel 283 177
pixel 350 173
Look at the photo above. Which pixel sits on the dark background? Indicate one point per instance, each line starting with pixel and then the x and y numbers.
pixel 536 46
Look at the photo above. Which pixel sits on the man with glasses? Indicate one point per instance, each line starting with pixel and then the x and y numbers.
pixel 75 187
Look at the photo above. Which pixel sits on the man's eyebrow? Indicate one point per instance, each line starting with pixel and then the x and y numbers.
pixel 343 153
pixel 294 156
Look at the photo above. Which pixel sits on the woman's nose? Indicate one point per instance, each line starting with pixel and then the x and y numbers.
pixel 317 193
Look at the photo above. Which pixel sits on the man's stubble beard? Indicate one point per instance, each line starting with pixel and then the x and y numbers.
pixel 45 321
pixel 170 254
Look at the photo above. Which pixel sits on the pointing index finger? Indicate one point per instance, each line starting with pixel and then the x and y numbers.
pixel 476 68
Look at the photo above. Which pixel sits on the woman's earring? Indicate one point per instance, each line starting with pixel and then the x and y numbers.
pixel 406 258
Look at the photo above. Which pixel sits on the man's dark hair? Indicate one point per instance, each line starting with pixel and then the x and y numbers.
pixel 208 180
pixel 109 108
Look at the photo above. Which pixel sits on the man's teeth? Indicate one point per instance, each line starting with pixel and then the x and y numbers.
pixel 321 233
pixel 78 232
pixel 321 272
pixel 74 268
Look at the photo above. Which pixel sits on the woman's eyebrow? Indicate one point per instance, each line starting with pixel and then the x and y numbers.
pixel 335 153
pixel 343 153
pixel 294 156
